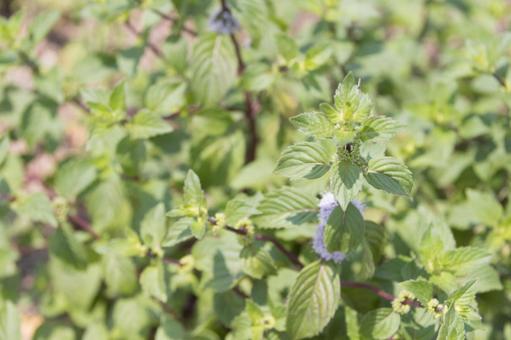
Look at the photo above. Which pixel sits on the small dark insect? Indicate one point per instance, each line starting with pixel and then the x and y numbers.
pixel 348 147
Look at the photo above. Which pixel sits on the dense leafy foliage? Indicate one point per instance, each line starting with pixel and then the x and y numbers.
pixel 255 169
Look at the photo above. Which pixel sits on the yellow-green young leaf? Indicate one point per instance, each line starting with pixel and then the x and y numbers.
pixel 193 193
pixel 346 182
pixel 117 100
pixel 153 227
pixel 214 69
pixel 307 159
pixel 153 281
pixel 312 301
pixel 380 323
pixel 351 102
pixel 313 123
pixel 390 175
pixel 330 112
pixel 285 208
pixel 147 124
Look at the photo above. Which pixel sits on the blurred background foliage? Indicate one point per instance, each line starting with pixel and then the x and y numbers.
pixel 105 105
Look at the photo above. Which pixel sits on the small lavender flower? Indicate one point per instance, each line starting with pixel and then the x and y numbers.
pixel 327 204
pixel 359 205
pixel 223 22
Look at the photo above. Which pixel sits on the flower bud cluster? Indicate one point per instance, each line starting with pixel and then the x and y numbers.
pixel 401 304
pixel 436 308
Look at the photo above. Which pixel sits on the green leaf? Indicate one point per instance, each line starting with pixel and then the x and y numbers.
pixel 344 230
pixel 219 258
pixel 346 182
pixel 170 329
pixel 66 246
pixel 120 275
pixel 153 281
pixel 484 207
pixel 381 323
pixel 458 258
pixel 376 237
pixel 4 149
pixel 240 207
pixel 147 124
pixel 133 317
pixel 178 232
pixel 422 289
pixel 309 160
pixel 128 59
pixel 313 123
pixel 285 208
pixel 37 207
pixel 313 300
pixel 390 175
pixel 486 277
pixel 74 177
pixel 257 261
pixel 9 321
pixel 378 128
pixel 42 25
pixel 165 97
pixel 352 323
pixel 153 227
pixel 452 327
pixel 77 287
pixel 214 69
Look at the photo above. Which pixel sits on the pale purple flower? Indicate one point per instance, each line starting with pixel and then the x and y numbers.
pixel 223 22
pixel 327 204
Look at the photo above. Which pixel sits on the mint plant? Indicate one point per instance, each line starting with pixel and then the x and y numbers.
pixel 177 169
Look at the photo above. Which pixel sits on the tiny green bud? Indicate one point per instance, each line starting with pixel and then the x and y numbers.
pixel 268 321
pixel 61 208
pixel 219 223
pixel 187 263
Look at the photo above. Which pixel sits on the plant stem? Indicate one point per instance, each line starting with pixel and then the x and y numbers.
pixel 250 102
pixel 362 285
pixel 295 260
pixel 83 224
pixel 174 20
pixel 151 46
